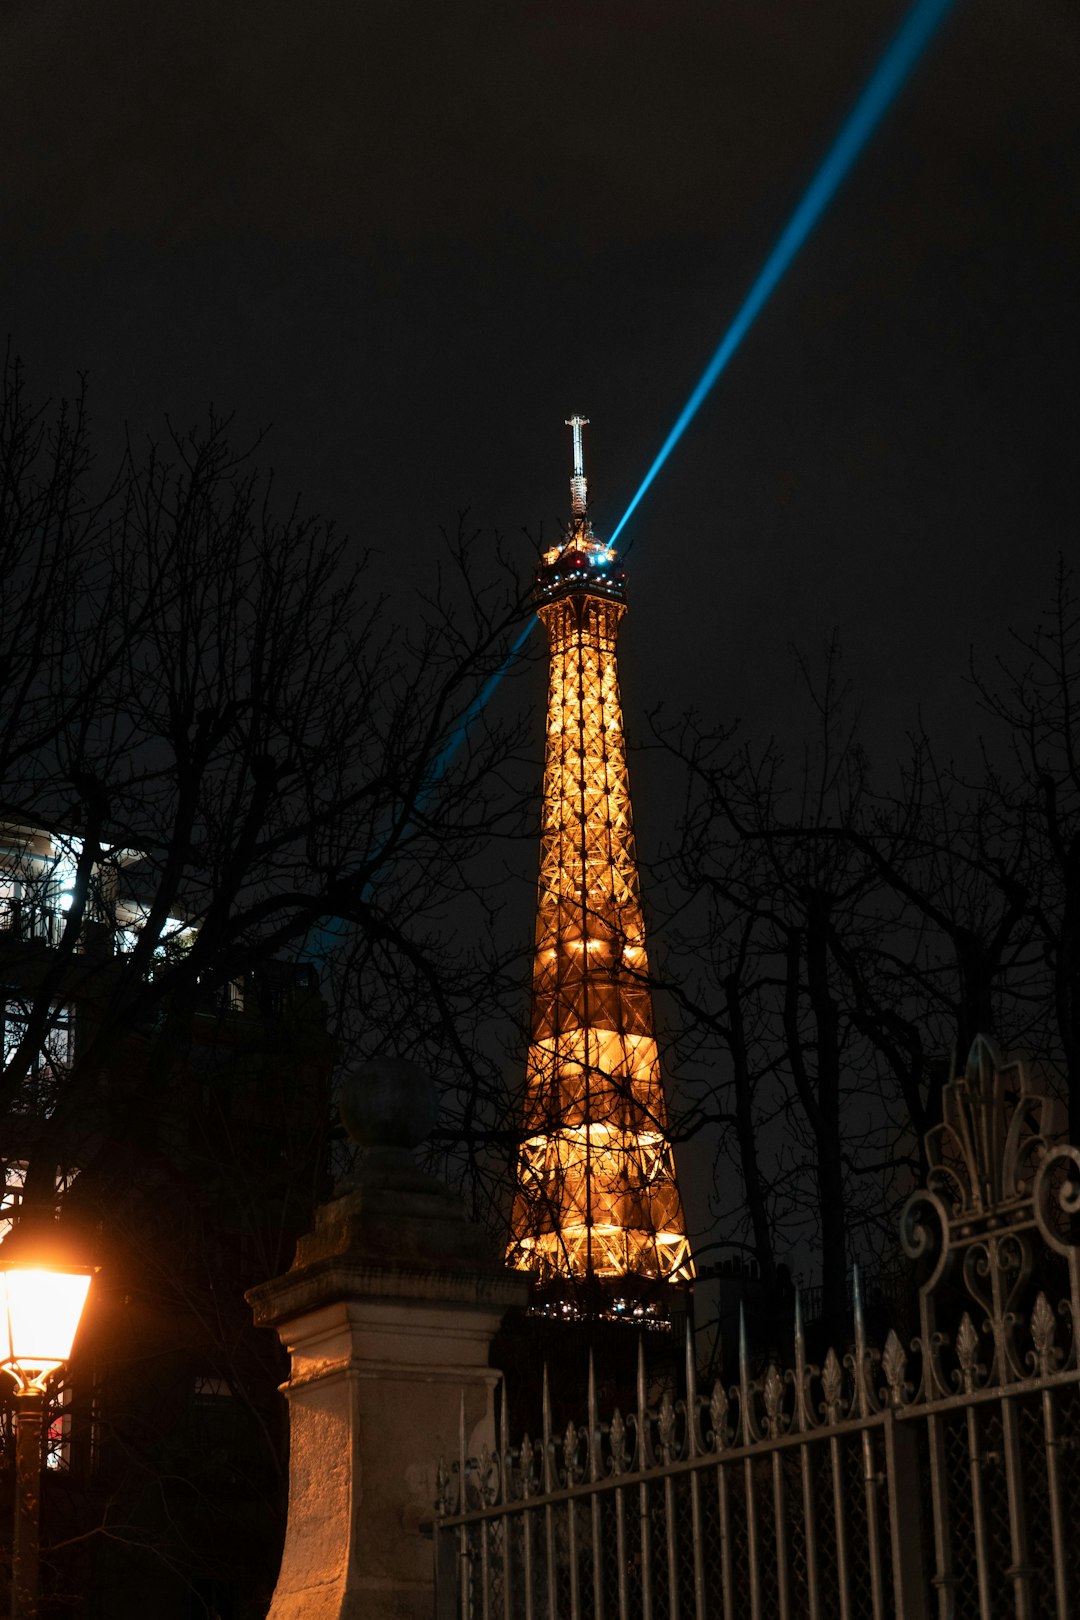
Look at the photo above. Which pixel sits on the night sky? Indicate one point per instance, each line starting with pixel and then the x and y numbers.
pixel 412 238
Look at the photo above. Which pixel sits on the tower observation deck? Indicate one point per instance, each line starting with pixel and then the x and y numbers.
pixel 596 1195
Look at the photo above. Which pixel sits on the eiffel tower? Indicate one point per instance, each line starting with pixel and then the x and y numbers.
pixel 597 1203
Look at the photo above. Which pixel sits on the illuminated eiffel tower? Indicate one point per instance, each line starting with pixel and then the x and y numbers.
pixel 596 1196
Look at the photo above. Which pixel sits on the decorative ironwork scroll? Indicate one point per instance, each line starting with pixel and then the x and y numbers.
pixel 939 1478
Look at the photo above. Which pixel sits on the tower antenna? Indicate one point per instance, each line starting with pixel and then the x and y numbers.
pixel 579 487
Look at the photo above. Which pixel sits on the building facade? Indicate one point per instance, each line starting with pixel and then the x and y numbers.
pixel 187 1157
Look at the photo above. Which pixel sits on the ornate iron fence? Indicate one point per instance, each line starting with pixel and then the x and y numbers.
pixel 942 1482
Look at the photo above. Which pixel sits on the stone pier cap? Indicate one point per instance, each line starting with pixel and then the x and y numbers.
pixel 395 1232
pixel 387 1312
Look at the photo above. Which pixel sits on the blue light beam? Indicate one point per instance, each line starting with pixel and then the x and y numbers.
pixel 897 61
pixel 325 936
pixel 443 759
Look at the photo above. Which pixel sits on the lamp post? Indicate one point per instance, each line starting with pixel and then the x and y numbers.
pixel 40 1307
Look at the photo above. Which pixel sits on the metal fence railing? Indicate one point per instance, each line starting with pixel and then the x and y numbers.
pixel 937 1481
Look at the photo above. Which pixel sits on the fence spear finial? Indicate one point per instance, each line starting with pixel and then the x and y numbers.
pixel 548 1443
pixel 746 1415
pixel 594 1423
pixel 644 1449
pixel 802 1412
pixel 694 1445
pixel 503 1442
pixel 462 1459
pixel 860 1369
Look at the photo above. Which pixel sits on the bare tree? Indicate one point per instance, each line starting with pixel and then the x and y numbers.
pixel 1034 699
pixel 219 756
pixel 837 942
pixel 769 908
pixel 232 748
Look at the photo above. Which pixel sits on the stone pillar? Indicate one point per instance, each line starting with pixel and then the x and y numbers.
pixel 387 1312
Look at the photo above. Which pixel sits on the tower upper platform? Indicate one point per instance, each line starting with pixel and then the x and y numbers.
pixel 580 563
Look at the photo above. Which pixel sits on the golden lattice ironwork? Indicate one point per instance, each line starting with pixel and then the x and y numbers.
pixel 596 1192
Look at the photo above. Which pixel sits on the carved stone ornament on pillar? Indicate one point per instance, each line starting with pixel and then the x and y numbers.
pixel 387 1312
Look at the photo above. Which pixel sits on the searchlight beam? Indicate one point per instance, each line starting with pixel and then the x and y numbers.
pixel 882 88
pixel 885 83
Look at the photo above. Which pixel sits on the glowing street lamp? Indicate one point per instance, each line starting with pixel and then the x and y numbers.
pixel 40 1307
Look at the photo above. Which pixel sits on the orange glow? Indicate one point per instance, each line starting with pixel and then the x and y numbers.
pixel 596 1188
pixel 40 1314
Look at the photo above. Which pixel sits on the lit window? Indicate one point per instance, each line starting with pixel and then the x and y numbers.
pixel 12 1181
pixel 49 1063
pixel 58 1433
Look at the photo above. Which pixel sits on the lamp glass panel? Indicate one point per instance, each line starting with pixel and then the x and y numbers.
pixel 42 1310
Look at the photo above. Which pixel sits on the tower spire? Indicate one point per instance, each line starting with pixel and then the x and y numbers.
pixel 596 1200
pixel 579 487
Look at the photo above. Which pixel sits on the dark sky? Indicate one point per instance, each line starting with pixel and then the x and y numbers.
pixel 414 236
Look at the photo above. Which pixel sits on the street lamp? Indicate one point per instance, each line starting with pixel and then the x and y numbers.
pixel 40 1307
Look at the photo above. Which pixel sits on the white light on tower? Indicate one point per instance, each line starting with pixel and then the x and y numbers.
pixel 579 489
